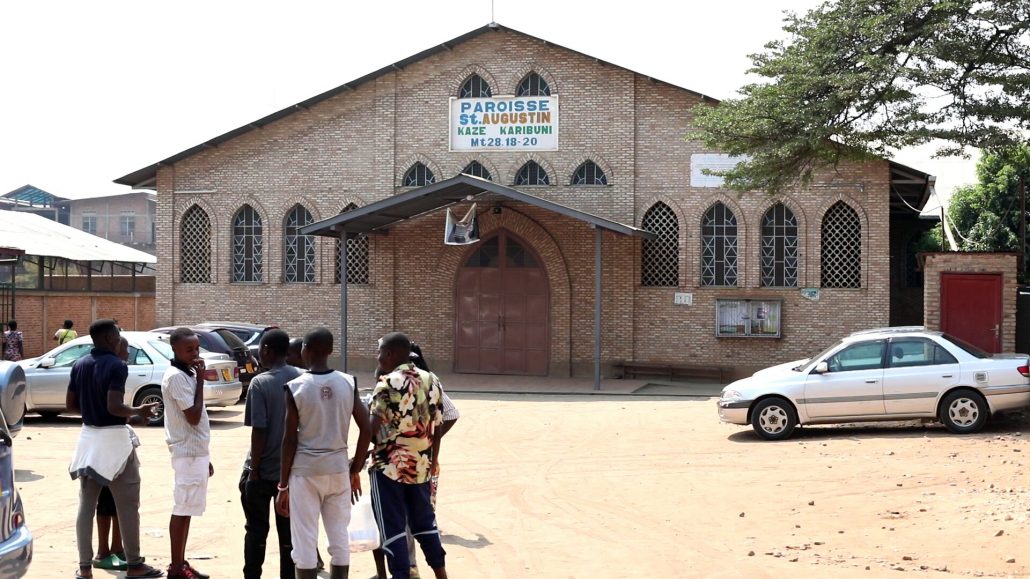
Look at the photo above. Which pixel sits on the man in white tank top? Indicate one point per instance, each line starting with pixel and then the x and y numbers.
pixel 315 466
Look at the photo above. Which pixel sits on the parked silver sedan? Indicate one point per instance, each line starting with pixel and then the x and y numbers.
pixel 886 374
pixel 150 355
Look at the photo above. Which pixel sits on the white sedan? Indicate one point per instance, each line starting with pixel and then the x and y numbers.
pixel 875 375
pixel 149 356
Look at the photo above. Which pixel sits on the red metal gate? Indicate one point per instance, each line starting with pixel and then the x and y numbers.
pixel 971 308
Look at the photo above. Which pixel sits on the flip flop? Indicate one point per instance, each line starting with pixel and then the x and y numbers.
pixel 150 572
pixel 111 563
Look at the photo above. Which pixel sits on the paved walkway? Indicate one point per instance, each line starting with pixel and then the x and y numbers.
pixel 492 384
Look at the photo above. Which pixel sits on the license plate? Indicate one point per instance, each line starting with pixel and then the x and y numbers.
pixel 226 376
pixel 250 368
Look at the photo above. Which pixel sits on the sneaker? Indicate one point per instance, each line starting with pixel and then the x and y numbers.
pixel 196 573
pixel 184 571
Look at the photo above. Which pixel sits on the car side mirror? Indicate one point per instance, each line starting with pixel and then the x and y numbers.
pixel 47 363
pixel 821 368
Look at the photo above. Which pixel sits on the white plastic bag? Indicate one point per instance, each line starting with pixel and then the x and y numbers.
pixel 363 532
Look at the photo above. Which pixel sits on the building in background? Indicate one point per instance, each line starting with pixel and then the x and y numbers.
pixel 127 219
pixel 583 150
pixel 32 199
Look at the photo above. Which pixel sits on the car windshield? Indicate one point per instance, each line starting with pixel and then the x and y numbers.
pixel 818 356
pixel 966 347
pixel 234 342
pixel 165 349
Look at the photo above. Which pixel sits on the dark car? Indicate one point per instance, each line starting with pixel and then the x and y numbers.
pixel 250 334
pixel 224 341
pixel 15 538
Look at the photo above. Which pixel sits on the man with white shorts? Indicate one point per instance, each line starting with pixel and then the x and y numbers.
pixel 188 434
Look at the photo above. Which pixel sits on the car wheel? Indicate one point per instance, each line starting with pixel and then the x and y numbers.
pixel 774 419
pixel 149 396
pixel 964 412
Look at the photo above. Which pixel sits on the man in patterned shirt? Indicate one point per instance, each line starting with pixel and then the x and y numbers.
pixel 406 417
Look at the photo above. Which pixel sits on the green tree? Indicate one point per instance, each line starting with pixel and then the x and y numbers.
pixel 858 78
pixel 985 216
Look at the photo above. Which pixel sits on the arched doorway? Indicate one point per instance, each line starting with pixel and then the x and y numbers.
pixel 501 321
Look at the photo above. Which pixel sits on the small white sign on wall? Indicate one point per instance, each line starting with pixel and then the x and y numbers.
pixel 699 162
pixel 683 299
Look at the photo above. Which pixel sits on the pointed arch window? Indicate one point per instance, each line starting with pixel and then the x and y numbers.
pixel 719 246
pixel 660 258
pixel 419 175
pixel 533 85
pixel 247 245
pixel 476 169
pixel 357 257
pixel 532 174
pixel 589 173
pixel 298 250
pixel 841 258
pixel 475 87
pixel 779 247
pixel 195 246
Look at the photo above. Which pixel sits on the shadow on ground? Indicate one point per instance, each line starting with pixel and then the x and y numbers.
pixel 480 542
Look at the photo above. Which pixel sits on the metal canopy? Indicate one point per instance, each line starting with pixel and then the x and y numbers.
pixel 909 188
pixel 36 235
pixel 383 214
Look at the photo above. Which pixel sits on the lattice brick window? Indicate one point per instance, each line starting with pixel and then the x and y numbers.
pixel 660 258
pixel 247 242
pixel 841 248
pixel 476 169
pixel 475 87
pixel 589 174
pixel 357 257
pixel 532 174
pixel 298 250
pixel 195 246
pixel 533 85
pixel 779 247
pixel 719 246
pixel 419 176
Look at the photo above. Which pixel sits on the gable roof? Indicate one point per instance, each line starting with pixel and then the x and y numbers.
pixel 146 177
pixel 382 214
pixel 33 195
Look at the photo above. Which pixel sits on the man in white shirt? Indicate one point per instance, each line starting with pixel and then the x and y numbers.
pixel 313 480
pixel 188 434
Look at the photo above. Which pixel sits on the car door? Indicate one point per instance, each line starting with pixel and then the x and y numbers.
pixel 141 372
pixel 918 370
pixel 49 386
pixel 852 385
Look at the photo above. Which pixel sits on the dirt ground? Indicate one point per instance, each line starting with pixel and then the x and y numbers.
pixel 565 486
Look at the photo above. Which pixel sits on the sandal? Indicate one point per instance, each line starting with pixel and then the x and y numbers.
pixel 111 563
pixel 148 571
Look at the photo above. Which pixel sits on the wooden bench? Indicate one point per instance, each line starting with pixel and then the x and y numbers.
pixel 669 371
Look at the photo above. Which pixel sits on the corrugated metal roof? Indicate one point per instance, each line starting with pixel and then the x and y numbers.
pixel 35 196
pixel 145 177
pixel 36 235
pixel 392 210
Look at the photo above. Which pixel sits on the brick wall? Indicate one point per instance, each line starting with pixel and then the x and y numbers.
pixel 1005 264
pixel 356 146
pixel 40 314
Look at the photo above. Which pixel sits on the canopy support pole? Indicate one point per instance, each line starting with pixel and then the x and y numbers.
pixel 343 301
pixel 597 308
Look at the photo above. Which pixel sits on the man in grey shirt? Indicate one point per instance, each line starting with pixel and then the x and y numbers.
pixel 266 415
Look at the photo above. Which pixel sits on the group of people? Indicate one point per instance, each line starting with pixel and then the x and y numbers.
pixel 300 412
pixel 12 341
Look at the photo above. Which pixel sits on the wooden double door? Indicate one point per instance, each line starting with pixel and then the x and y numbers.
pixel 502 310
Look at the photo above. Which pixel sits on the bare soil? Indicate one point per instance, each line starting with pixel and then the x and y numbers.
pixel 567 486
